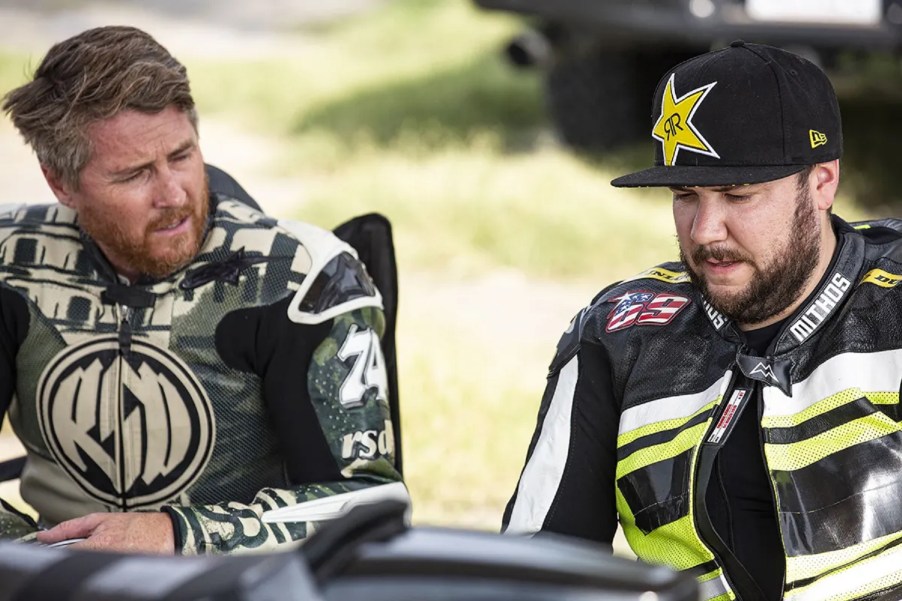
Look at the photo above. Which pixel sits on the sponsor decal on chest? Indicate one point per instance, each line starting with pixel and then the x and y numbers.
pixel 717 318
pixel 131 431
pixel 644 309
pixel 881 278
pixel 818 311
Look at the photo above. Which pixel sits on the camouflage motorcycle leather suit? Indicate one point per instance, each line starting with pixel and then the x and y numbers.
pixel 249 380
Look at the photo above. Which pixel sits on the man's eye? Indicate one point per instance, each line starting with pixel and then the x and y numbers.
pixel 737 197
pixel 132 176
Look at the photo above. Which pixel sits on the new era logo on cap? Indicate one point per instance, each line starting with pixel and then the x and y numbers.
pixel 740 115
pixel 817 138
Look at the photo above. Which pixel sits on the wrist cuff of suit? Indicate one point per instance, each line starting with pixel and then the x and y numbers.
pixel 179 526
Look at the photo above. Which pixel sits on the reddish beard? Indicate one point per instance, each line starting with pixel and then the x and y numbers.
pixel 145 255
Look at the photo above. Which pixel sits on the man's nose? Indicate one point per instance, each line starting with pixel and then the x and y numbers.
pixel 709 224
pixel 169 191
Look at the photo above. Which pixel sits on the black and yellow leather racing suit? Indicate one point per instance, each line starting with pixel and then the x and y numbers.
pixel 249 380
pixel 649 382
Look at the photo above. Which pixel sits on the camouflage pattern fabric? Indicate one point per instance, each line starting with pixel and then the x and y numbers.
pixel 131 398
pixel 14 524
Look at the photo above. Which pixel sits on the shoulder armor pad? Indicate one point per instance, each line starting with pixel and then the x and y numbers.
pixel 35 220
pixel 242 211
pixel 7 210
pixel 892 223
pixel 39 214
pixel 568 345
pixel 337 281
pixel 880 231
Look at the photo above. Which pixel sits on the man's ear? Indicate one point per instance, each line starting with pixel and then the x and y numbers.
pixel 60 189
pixel 824 182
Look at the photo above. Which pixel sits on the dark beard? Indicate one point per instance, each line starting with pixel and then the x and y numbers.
pixel 137 254
pixel 780 284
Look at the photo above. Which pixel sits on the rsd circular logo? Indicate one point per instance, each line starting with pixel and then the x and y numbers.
pixel 132 430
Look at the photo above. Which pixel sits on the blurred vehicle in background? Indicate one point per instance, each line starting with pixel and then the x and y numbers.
pixel 601 59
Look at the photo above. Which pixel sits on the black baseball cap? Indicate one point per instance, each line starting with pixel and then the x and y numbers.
pixel 744 114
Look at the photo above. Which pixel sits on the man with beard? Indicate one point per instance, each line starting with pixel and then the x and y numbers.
pixel 738 411
pixel 175 363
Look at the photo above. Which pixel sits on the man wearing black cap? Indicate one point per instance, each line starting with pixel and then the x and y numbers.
pixel 738 411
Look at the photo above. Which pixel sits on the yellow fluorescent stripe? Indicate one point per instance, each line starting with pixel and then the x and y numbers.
pixel 857 580
pixel 675 544
pixel 661 426
pixel 843 397
pixel 710 575
pixel 664 275
pixel 883 398
pixel 881 278
pixel 796 455
pixel 809 566
pixel 685 440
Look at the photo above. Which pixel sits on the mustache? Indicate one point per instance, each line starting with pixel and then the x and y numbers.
pixel 718 253
pixel 168 217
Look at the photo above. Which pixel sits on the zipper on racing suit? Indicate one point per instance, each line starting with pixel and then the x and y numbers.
pixel 125 345
pixel 735 399
pixel 125 331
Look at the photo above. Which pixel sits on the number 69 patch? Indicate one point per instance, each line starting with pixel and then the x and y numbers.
pixel 644 309
pixel 367 368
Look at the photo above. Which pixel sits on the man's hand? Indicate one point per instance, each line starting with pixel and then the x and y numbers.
pixel 138 532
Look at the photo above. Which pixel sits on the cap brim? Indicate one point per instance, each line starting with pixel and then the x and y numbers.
pixel 692 175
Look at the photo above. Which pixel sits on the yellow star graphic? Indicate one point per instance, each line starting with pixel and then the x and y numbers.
pixel 674 128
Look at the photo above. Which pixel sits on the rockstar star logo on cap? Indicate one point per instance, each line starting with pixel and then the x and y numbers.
pixel 674 128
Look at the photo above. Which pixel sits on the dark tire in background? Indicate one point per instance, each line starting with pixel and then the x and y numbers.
pixel 592 100
pixel 601 99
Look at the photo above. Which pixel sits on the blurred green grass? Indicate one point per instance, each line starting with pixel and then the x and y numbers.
pixel 409 110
